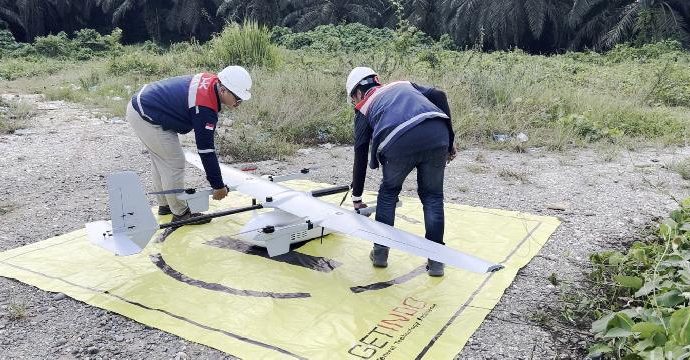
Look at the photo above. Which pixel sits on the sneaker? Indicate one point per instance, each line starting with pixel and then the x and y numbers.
pixel 379 257
pixel 164 210
pixel 434 268
pixel 188 215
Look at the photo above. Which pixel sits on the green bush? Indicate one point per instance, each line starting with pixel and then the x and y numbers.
pixel 446 42
pixel 332 128
pixel 251 144
pixel 672 86
pixel 409 39
pixel 589 129
pixel 15 68
pixel 7 42
pixel 644 53
pixel 648 123
pixel 67 92
pixel 84 45
pixel 348 38
pixel 646 289
pixel 54 46
pixel 155 48
pixel 278 32
pixel 246 45
pixel 357 38
pixel 142 63
pixel 682 167
pixel 616 122
pixel 97 43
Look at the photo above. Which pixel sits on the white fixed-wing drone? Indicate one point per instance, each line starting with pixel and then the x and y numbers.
pixel 296 216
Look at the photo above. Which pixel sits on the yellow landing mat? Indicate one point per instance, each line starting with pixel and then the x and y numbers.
pixel 322 301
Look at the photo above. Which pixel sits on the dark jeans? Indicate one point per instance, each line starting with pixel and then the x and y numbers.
pixel 430 165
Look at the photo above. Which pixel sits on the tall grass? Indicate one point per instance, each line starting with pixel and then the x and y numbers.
pixel 247 45
pixel 289 110
pixel 15 68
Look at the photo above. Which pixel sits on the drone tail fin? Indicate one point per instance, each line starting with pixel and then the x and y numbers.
pixel 132 224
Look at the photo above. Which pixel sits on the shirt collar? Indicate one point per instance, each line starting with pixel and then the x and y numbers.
pixel 368 94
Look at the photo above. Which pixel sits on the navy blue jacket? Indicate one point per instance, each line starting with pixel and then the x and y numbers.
pixel 182 104
pixel 398 112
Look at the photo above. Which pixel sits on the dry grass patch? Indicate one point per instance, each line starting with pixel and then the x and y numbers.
pixel 14 115
pixel 682 167
pixel 17 309
pixel 512 175
pixel 5 208
pixel 477 168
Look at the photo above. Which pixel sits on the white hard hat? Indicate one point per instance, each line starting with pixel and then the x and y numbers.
pixel 236 79
pixel 356 75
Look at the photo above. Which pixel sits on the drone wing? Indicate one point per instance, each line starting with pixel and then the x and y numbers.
pixel 344 221
pixel 241 181
pixel 336 218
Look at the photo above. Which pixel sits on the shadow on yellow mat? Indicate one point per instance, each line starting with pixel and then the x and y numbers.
pixel 323 300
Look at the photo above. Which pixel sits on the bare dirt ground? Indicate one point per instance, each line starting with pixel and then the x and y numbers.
pixel 53 181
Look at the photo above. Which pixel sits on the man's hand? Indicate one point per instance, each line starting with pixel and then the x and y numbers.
pixel 219 194
pixel 358 205
pixel 452 153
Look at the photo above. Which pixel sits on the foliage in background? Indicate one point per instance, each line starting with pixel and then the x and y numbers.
pixel 8 44
pixel 601 24
pixel 347 38
pixel 307 14
pixel 629 95
pixel 82 45
pixel 502 24
pixel 537 26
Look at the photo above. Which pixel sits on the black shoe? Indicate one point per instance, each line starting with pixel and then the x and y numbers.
pixel 188 215
pixel 164 210
pixel 379 257
pixel 434 268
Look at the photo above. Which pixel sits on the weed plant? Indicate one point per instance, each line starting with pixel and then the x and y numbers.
pixel 639 298
pixel 16 309
pixel 13 116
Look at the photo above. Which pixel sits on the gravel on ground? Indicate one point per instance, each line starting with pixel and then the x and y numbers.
pixel 53 182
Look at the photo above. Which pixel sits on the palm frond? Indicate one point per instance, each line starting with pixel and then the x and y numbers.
pixel 309 20
pixel 185 15
pixel 581 10
pixel 536 16
pixel 122 9
pixel 623 27
pixel 12 18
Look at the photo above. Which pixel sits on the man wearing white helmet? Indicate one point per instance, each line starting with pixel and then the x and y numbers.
pixel 408 127
pixel 160 111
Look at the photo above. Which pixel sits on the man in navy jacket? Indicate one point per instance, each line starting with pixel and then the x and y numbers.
pixel 160 111
pixel 407 127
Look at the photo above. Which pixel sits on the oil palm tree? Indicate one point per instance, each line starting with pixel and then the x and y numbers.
pixel 193 18
pixel 11 19
pixel 536 25
pixel 126 13
pixel 603 23
pixel 265 12
pixel 424 15
pixel 31 18
pixel 307 14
